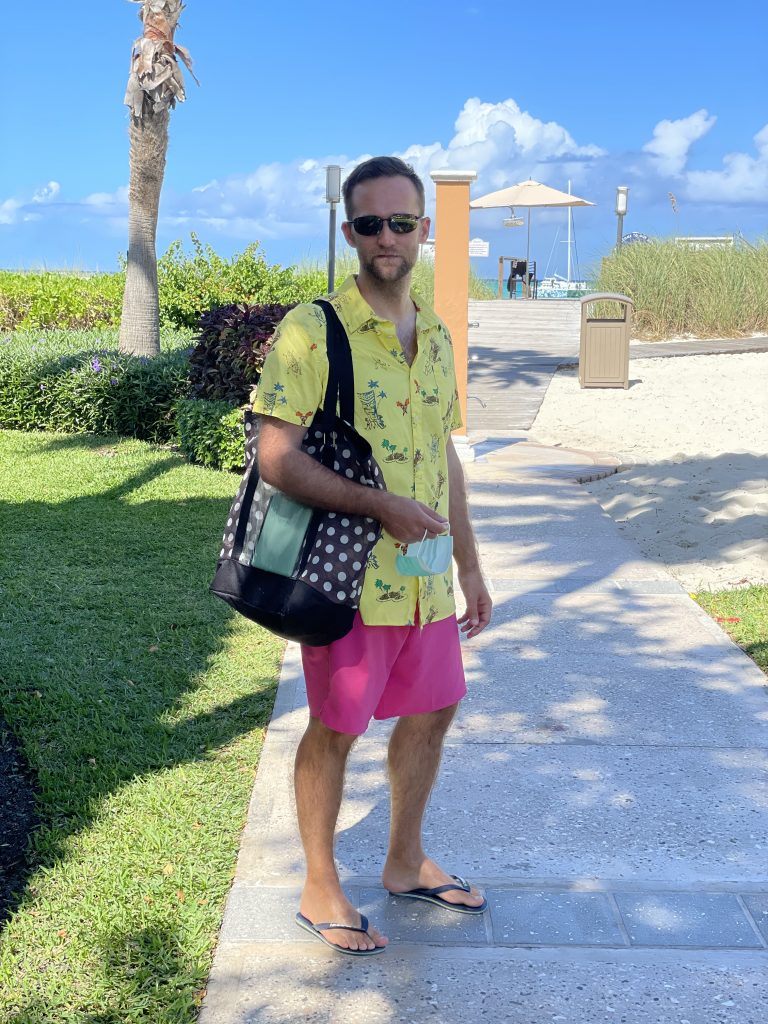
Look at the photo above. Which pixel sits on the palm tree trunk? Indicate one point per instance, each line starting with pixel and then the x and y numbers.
pixel 155 84
pixel 140 323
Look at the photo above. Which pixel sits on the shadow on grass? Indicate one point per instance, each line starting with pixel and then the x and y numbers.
pixel 106 628
pixel 131 975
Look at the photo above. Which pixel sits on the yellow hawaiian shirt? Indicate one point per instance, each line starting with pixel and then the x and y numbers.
pixel 405 412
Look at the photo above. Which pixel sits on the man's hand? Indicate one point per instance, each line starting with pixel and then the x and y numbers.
pixel 407 520
pixel 479 603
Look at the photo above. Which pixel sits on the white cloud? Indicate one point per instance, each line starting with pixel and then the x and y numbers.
pixel 672 139
pixel 504 145
pixel 8 211
pixel 744 178
pixel 47 192
pixel 108 199
pixel 501 142
pixel 14 210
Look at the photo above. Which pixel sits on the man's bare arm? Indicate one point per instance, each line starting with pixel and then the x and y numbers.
pixel 478 611
pixel 285 466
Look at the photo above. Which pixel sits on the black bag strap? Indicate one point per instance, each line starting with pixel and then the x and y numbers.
pixel 341 378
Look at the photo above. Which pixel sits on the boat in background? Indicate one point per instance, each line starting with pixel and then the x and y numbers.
pixel 557 287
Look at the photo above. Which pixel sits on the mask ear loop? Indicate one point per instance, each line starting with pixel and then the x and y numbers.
pixel 421 544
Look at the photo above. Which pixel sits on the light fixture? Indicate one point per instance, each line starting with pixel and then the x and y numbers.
pixel 332 196
pixel 333 184
pixel 622 192
pixel 512 221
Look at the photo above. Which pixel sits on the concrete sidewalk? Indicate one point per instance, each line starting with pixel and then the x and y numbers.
pixel 605 784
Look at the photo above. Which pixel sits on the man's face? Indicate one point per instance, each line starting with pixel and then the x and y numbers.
pixel 386 257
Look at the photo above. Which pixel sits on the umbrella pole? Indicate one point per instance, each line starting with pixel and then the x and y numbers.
pixel 528 259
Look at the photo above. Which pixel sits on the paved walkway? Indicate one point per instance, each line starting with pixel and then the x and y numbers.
pixel 605 783
pixel 515 348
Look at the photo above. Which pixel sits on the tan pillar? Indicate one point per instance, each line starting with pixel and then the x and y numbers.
pixel 452 268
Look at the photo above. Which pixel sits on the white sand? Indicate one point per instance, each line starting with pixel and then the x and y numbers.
pixel 694 433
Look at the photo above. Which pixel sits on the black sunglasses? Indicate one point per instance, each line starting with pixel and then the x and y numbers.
pixel 399 224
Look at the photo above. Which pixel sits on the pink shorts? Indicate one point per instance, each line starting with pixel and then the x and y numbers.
pixel 384 672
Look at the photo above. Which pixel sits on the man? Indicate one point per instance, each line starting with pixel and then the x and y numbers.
pixel 402 658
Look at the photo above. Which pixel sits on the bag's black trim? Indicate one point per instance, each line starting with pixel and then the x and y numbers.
pixel 272 601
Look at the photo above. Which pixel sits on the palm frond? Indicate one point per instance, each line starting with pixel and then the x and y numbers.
pixel 155 81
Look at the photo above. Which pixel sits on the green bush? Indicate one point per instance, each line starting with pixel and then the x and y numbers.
pixel 191 285
pixel 92 392
pixel 49 300
pixel 210 433
pixel 226 363
pixel 187 285
pixel 709 293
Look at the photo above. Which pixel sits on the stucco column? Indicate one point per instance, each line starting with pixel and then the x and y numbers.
pixel 452 270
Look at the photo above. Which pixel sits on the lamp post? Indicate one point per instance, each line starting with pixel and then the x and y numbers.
pixel 332 196
pixel 621 208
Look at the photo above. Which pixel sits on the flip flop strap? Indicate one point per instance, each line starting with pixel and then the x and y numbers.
pixel 463 886
pixel 325 926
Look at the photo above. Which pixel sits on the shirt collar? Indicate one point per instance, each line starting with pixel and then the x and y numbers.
pixel 354 311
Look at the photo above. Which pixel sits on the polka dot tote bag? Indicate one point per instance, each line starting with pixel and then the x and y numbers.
pixel 298 571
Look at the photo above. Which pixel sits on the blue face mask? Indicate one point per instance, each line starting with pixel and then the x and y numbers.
pixel 427 557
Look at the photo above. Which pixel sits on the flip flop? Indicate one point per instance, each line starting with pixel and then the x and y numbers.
pixel 315 929
pixel 433 896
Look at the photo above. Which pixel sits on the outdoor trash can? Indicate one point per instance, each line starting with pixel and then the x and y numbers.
pixel 604 345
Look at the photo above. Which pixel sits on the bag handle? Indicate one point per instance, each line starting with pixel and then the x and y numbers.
pixel 341 379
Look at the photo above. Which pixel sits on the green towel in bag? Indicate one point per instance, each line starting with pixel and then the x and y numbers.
pixel 282 535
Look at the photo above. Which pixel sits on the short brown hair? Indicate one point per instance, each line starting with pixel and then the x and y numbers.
pixel 381 167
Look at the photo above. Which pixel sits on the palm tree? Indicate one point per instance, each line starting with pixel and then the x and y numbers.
pixel 155 85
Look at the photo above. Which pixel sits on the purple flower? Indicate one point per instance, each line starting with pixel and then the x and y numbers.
pixel 96 365
pixel 113 380
pixel 42 387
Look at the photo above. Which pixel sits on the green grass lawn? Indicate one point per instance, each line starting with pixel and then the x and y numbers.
pixel 140 702
pixel 743 614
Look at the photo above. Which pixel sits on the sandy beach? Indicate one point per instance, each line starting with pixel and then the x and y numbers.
pixel 692 434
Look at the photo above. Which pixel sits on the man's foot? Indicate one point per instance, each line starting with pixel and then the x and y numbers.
pixel 322 904
pixel 402 878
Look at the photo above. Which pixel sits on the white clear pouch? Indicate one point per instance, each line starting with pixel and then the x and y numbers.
pixel 427 557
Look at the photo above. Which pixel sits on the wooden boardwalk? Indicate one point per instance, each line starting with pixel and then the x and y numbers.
pixel 517 345
pixel 513 352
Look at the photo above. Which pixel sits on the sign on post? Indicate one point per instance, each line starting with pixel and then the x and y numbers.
pixel 479 247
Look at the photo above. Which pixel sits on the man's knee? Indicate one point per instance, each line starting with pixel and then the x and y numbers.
pixel 432 723
pixel 444 716
pixel 321 735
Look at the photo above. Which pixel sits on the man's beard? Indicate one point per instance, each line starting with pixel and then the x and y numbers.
pixel 389 272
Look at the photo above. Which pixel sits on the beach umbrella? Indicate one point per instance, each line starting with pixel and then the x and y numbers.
pixel 527 193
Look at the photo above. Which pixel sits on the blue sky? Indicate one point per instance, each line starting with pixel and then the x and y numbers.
pixel 662 97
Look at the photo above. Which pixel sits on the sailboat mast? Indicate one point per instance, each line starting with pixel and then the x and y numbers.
pixel 570 215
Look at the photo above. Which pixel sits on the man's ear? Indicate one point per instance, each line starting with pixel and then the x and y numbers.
pixel 424 230
pixel 346 230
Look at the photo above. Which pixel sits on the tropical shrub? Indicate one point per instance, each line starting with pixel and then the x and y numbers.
pixel 100 392
pixel 210 433
pixel 47 300
pixel 714 292
pixel 188 286
pixel 191 285
pixel 233 341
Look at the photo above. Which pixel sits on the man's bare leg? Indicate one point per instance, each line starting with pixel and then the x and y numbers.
pixel 415 749
pixel 319 782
